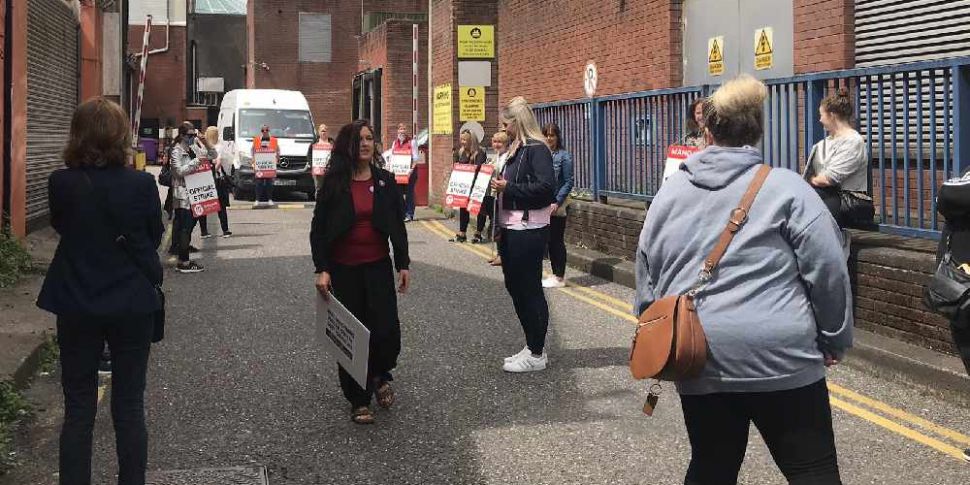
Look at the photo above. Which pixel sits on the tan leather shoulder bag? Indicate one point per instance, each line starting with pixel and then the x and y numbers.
pixel 669 343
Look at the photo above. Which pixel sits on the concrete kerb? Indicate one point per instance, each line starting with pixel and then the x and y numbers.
pixel 872 353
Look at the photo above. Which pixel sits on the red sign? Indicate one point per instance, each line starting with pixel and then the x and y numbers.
pixel 400 164
pixel 460 185
pixel 201 186
pixel 676 155
pixel 264 159
pixel 480 189
pixel 321 156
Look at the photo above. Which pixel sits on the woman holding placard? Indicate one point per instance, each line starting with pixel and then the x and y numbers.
pixel 469 153
pixel 184 160
pixel 526 191
pixel 266 155
pixel 319 156
pixel 222 184
pixel 359 209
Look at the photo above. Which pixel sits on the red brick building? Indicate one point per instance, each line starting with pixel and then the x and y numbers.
pixel 319 52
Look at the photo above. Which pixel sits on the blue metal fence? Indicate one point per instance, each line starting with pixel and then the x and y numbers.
pixel 916 118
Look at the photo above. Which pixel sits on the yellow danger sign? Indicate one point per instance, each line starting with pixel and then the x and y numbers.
pixel 471 103
pixel 715 55
pixel 441 110
pixel 476 41
pixel 764 52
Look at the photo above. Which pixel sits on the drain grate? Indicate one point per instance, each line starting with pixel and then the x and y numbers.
pixel 209 476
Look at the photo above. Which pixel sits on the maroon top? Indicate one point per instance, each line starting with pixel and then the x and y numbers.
pixel 362 244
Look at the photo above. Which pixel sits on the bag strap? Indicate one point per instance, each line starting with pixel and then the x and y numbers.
pixel 738 217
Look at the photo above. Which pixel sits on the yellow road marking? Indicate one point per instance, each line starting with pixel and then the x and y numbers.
pixel 442 230
pixel 897 428
pixel 903 415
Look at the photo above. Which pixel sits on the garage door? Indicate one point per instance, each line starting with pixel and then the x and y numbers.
pixel 52 92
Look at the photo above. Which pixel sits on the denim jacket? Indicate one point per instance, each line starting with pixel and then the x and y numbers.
pixel 562 165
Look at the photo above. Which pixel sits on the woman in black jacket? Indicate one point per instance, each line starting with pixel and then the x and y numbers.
pixel 359 208
pixel 526 191
pixel 101 285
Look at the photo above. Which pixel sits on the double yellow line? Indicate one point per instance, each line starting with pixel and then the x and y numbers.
pixel 877 412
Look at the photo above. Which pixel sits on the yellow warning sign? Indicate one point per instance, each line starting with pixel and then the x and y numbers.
pixel 441 112
pixel 476 41
pixel 471 103
pixel 764 52
pixel 715 55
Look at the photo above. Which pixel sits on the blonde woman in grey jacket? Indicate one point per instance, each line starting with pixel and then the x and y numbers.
pixel 185 160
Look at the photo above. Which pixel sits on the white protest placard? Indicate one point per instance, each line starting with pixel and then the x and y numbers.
pixel 460 185
pixel 320 157
pixel 676 155
pixel 480 189
pixel 400 164
pixel 342 335
pixel 201 186
pixel 265 161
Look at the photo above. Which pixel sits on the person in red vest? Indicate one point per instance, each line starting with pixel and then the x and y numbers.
pixel 405 142
pixel 265 177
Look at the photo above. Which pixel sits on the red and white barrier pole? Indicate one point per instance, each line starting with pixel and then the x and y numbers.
pixel 414 79
pixel 136 120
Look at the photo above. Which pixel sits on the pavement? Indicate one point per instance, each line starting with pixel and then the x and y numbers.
pixel 241 384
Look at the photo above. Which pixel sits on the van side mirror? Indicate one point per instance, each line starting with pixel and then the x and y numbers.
pixel 228 134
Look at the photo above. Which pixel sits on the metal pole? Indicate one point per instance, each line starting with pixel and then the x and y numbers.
pixel 414 79
pixel 136 121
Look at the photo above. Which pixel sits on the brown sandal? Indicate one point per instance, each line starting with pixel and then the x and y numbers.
pixel 385 396
pixel 362 415
pixel 496 262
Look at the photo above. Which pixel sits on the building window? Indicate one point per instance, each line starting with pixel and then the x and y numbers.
pixel 315 37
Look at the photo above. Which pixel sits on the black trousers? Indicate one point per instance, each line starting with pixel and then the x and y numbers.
pixel 795 424
pixel 557 245
pixel 464 217
pixel 522 253
pixel 223 221
pixel 185 224
pixel 81 340
pixel 487 212
pixel 369 292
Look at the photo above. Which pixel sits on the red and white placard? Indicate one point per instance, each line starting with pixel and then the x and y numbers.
pixel 320 157
pixel 480 189
pixel 460 185
pixel 400 164
pixel 676 155
pixel 201 186
pixel 264 158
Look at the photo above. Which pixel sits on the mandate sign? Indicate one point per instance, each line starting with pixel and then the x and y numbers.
pixel 201 186
pixel 342 335
pixel 441 111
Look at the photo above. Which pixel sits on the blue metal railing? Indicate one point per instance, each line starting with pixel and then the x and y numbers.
pixel 916 118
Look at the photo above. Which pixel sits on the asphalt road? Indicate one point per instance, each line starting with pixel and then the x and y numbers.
pixel 241 381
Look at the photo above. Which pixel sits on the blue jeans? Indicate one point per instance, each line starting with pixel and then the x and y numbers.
pixel 264 190
pixel 81 340
pixel 409 201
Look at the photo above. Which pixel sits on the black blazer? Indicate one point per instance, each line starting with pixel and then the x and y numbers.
pixel 91 273
pixel 334 216
pixel 531 178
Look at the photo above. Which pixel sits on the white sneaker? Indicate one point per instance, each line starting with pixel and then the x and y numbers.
pixel 553 282
pixel 527 363
pixel 522 353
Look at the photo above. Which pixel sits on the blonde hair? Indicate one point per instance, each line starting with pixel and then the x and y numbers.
pixel 212 136
pixel 323 126
pixel 734 115
pixel 502 137
pixel 523 121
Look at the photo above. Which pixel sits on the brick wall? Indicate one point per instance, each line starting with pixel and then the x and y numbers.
pixel 389 47
pixel 446 15
pixel 544 48
pixel 824 35
pixel 887 282
pixel 165 81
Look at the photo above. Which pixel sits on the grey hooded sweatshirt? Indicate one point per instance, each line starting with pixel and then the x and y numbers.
pixel 780 296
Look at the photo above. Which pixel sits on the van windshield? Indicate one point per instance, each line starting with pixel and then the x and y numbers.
pixel 283 123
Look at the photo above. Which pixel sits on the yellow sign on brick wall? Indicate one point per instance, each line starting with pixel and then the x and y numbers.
pixel 441 116
pixel 471 103
pixel 476 41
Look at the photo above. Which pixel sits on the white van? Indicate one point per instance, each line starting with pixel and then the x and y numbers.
pixel 242 115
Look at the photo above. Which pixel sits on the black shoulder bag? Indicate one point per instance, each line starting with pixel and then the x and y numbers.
pixel 948 291
pixel 158 317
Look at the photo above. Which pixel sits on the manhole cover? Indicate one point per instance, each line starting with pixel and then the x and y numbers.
pixel 209 476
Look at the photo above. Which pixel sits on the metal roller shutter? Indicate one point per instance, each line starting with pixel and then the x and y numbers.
pixel 52 92
pixel 897 31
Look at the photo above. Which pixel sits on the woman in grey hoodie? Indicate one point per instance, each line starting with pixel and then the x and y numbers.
pixel 777 311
